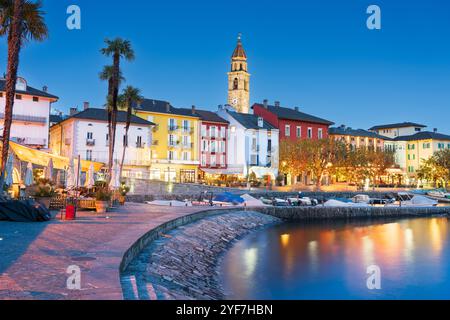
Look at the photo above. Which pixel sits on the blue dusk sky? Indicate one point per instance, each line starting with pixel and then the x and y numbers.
pixel 318 55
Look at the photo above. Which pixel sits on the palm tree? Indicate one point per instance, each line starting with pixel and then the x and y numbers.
pixel 117 48
pixel 129 97
pixel 21 21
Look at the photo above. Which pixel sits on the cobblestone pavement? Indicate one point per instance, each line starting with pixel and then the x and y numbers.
pixel 183 263
pixel 34 257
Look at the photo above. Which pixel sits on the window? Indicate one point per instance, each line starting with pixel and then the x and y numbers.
pixel 203 160
pixel 310 133
pixel 90 136
pixel 171 155
pixel 186 126
pixel 222 160
pixel 287 130
pixel 107 139
pixel 213 161
pixel 235 84
pixel 155 174
pixel 269 145
pixel 186 156
pixel 89 155
pixel 172 124
pixel 125 141
pixel 204 131
pixel 35 99
pixel 213 131
pixel 18 96
pixel 171 140
pixel 222 146
pixel 204 145
pixel 299 132
pixel 1 94
pixel 222 132
pixel 320 133
pixel 139 142
pixel 213 146
pixel 427 145
pixel 441 145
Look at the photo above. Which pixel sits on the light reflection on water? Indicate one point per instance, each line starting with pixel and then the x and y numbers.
pixel 329 261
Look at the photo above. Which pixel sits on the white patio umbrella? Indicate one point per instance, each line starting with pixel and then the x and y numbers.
pixel 49 170
pixel 115 179
pixel 9 170
pixel 70 175
pixel 90 177
pixel 29 175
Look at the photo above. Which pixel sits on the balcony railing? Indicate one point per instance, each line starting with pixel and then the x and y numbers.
pixel 140 145
pixel 90 142
pixel 255 148
pixel 188 145
pixel 30 141
pixel 26 118
pixel 173 128
pixel 188 130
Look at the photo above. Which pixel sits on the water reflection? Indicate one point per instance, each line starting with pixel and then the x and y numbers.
pixel 330 260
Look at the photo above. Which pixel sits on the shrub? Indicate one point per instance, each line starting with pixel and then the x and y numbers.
pixel 103 194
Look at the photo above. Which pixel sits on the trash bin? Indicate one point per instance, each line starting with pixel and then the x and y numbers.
pixel 70 212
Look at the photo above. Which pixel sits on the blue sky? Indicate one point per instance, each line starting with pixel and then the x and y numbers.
pixel 317 55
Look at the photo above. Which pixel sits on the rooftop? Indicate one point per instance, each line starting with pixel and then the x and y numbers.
pixel 293 114
pixel 355 133
pixel 102 115
pixel 160 106
pixel 250 121
pixel 30 91
pixel 398 125
pixel 239 52
pixel 210 116
pixel 425 135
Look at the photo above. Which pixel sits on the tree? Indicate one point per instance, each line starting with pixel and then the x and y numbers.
pixel 380 161
pixel 292 160
pixel 436 168
pixel 130 97
pixel 21 21
pixel 117 49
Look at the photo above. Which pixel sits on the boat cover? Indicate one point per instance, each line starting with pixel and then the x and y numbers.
pixel 23 211
pixel 228 197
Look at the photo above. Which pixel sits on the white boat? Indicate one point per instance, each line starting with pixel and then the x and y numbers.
pixel 361 198
pixel 410 200
pixel 341 204
pixel 303 201
pixel 438 194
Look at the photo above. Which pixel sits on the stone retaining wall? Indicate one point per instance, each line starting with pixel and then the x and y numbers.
pixel 183 263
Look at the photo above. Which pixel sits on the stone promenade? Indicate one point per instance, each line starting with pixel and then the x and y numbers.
pixel 34 257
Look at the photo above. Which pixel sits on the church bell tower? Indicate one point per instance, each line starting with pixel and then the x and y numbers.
pixel 239 80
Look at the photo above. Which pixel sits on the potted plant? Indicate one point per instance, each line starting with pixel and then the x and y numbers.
pixel 102 199
pixel 44 192
pixel 123 191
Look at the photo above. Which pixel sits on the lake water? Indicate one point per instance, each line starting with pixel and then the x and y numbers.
pixel 330 261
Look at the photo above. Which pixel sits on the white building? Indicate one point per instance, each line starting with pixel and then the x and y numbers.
pixel 86 134
pixel 31 114
pixel 398 129
pixel 252 144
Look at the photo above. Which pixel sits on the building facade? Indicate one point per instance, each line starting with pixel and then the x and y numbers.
pixel 292 123
pixel 213 137
pixel 252 144
pixel 358 138
pixel 85 134
pixel 31 114
pixel 175 149
pixel 239 80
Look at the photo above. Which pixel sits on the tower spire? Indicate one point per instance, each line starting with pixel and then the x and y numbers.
pixel 239 79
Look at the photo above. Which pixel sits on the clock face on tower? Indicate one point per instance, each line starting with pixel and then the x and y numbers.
pixel 235 101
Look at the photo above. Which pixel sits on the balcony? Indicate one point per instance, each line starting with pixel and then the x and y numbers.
pixel 173 128
pixel 174 144
pixel 90 142
pixel 255 148
pixel 188 145
pixel 29 141
pixel 140 145
pixel 25 118
pixel 187 130
pixel 155 143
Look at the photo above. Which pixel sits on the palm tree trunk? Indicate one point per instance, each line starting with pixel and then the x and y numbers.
pixel 127 128
pixel 14 46
pixel 113 115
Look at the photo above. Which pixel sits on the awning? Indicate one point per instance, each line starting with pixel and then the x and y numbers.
pixel 42 158
pixel 223 171
pixel 260 172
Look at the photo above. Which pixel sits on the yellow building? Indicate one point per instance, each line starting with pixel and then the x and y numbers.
pixel 174 151
pixel 422 146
